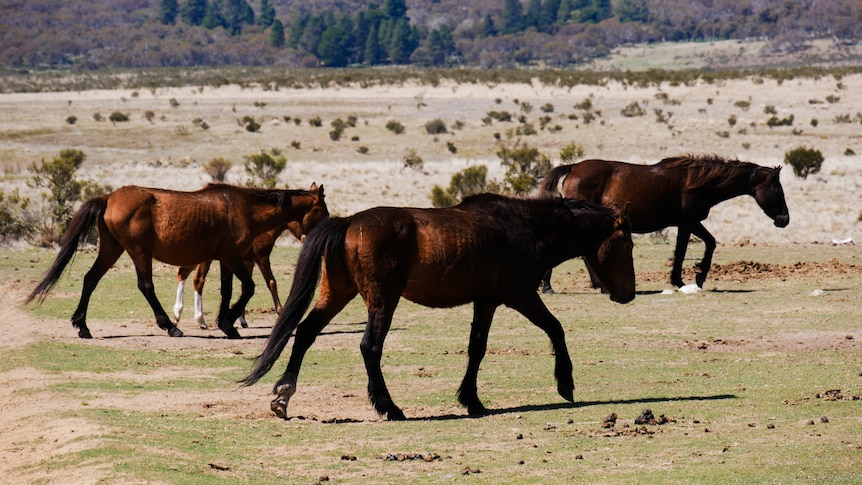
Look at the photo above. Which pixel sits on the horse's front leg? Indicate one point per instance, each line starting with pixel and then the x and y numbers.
pixel 483 313
pixel 682 237
pixel 201 279
pixel 704 265
pixel 531 306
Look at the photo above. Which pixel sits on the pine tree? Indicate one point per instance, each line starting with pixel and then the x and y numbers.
pixel 373 52
pixel 534 14
pixel 276 34
pixel 214 17
pixel 193 11
pixel 332 48
pixel 266 17
pixel 487 28
pixel 550 8
pixel 395 9
pixel 168 10
pixel 512 20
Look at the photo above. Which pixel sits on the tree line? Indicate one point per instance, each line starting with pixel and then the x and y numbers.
pixel 335 33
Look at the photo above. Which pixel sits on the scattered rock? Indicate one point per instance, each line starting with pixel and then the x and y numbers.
pixel 348 457
pixel 647 417
pixel 412 456
pixel 609 421
pixel 470 471
pixel 519 436
pixel 824 419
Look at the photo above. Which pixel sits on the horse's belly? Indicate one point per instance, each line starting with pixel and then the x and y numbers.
pixel 437 294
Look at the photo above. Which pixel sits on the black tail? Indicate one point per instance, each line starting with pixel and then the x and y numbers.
pixel 327 239
pixel 550 183
pixel 87 216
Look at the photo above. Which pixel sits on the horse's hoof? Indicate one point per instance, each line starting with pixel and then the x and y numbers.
pixel 477 410
pixel 279 407
pixel 84 333
pixel 243 324
pixel 175 332
pixel 204 326
pixel 547 290
pixel 567 393
pixel 395 415
pixel 232 333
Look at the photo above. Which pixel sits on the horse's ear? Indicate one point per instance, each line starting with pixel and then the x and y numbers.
pixel 313 186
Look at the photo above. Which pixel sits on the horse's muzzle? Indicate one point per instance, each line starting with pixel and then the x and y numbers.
pixel 782 220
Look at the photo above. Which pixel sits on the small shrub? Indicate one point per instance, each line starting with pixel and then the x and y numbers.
pixel 571 152
pixel 149 115
pixel 805 161
pixel 585 105
pixel 775 121
pixel 250 124
pixel 547 108
pixel 743 105
pixel 770 110
pixel 471 180
pixel 395 127
pixel 411 159
pixel 217 168
pixel 71 120
pixel 814 122
pixel 98 117
pixel 315 122
pixel 295 144
pixel 500 116
pixel 832 99
pixel 451 147
pixel 174 103
pixel 723 134
pixel 525 166
pixel 263 169
pixel 849 152
pixel 731 120
pixel 436 127
pixel 362 150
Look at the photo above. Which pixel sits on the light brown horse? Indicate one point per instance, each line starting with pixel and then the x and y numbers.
pixel 678 191
pixel 490 250
pixel 259 253
pixel 218 222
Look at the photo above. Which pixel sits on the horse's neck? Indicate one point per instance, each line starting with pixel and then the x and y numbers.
pixel 270 214
pixel 738 183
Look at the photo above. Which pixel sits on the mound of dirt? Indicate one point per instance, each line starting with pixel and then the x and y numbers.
pixel 741 271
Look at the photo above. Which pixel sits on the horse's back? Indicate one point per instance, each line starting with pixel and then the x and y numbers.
pixel 652 192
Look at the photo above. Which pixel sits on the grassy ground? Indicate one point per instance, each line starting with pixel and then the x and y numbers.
pixel 741 371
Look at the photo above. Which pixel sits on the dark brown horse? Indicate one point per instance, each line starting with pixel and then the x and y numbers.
pixel 678 191
pixel 218 222
pixel 259 253
pixel 490 250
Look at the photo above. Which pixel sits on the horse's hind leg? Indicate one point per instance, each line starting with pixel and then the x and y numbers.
pixel 183 273
pixel 229 314
pixel 546 283
pixel 249 266
pixel 483 313
pixel 329 304
pixel 379 320
pixel 705 263
pixel 109 253
pixel 144 269
pixel 532 307
pixel 200 280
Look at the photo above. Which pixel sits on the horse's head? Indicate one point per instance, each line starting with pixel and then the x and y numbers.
pixel 766 190
pixel 315 212
pixel 612 263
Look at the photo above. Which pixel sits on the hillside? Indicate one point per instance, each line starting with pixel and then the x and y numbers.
pixel 98 34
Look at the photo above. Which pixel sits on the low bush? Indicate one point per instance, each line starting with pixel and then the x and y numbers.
pixel 805 161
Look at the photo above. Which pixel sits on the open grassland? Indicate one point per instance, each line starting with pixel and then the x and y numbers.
pixel 758 378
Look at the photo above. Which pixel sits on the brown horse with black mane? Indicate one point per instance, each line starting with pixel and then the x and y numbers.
pixel 490 250
pixel 678 191
pixel 218 222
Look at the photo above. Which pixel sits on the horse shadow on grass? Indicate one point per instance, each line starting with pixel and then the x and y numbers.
pixel 573 405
